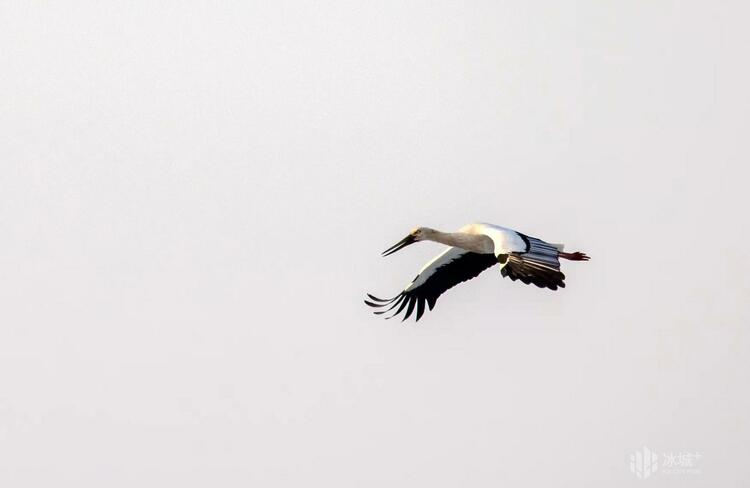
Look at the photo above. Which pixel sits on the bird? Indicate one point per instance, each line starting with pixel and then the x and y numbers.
pixel 473 249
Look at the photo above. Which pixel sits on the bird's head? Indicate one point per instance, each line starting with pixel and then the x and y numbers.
pixel 417 234
pixel 422 233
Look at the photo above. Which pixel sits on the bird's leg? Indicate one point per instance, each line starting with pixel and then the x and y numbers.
pixel 574 256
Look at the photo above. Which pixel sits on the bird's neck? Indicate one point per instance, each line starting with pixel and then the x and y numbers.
pixel 470 242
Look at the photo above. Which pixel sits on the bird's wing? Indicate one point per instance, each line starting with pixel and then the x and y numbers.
pixel 446 270
pixel 539 265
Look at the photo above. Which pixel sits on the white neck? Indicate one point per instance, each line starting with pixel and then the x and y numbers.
pixel 471 242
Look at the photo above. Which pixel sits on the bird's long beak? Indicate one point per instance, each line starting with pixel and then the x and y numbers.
pixel 410 239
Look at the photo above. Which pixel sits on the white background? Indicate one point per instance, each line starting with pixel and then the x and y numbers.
pixel 194 196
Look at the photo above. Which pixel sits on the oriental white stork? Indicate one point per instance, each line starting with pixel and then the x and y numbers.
pixel 473 249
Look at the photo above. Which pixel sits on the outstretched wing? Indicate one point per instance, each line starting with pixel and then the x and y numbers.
pixel 538 265
pixel 451 267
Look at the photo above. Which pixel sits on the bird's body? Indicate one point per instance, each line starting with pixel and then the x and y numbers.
pixel 474 248
pixel 502 240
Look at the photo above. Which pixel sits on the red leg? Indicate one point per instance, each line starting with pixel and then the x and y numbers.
pixel 574 256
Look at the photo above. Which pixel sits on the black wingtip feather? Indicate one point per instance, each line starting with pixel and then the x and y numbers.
pixel 409 310
pixel 400 297
pixel 376 299
pixel 420 308
pixel 400 307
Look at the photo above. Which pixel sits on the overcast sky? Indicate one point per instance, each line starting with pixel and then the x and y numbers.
pixel 194 197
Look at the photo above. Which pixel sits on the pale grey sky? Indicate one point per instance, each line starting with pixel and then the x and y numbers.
pixel 195 195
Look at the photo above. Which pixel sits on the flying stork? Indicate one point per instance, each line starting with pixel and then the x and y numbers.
pixel 473 249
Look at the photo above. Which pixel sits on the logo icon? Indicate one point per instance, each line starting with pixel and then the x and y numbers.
pixel 644 463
